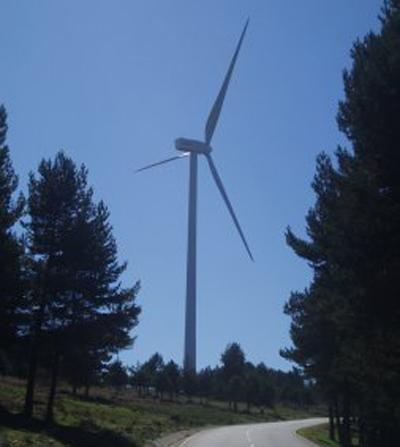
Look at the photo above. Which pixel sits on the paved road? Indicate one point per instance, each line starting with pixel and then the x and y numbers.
pixel 271 434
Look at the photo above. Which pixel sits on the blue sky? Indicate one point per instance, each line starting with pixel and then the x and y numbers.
pixel 115 82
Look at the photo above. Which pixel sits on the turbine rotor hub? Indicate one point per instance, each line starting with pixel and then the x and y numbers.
pixel 189 145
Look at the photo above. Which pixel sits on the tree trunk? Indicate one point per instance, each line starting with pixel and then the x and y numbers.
pixel 361 432
pixel 53 387
pixel 33 361
pixel 331 423
pixel 30 386
pixel 337 417
pixel 346 431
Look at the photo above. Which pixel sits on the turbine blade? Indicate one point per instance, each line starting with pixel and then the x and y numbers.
pixel 216 108
pixel 221 188
pixel 185 154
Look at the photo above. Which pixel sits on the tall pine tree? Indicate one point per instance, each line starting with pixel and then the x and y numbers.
pixel 346 325
pixel 10 249
pixel 81 310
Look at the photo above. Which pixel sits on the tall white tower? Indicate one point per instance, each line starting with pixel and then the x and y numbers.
pixel 189 359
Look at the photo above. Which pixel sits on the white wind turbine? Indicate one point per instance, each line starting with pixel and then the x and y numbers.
pixel 192 148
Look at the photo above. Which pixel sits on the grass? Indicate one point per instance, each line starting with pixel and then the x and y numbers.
pixel 110 419
pixel 319 434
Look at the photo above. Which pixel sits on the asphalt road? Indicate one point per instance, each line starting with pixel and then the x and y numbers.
pixel 271 434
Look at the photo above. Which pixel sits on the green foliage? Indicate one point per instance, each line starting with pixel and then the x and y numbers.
pixel 147 376
pixel 116 375
pixel 189 383
pixel 11 252
pixel 233 361
pixel 10 210
pixel 169 379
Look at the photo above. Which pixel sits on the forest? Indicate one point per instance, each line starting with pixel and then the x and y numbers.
pixel 235 381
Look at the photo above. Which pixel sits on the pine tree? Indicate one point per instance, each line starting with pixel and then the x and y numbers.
pixel 11 287
pixel 78 299
pixel 233 368
pixel 345 326
pixel 172 378
pixel 116 375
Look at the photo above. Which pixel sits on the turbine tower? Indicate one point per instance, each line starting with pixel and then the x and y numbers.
pixel 192 149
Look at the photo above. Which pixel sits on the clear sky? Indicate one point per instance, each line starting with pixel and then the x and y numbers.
pixel 115 82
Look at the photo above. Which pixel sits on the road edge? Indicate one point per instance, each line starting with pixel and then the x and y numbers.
pixel 175 439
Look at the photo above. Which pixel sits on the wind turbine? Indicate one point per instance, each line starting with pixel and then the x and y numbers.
pixel 192 149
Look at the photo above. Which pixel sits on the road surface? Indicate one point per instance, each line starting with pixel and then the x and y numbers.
pixel 271 434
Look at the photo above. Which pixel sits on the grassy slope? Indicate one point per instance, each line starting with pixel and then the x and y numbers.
pixel 111 420
pixel 318 434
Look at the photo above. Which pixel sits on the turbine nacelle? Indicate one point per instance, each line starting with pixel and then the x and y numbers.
pixel 189 145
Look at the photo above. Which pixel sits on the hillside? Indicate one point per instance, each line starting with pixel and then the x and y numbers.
pixel 117 419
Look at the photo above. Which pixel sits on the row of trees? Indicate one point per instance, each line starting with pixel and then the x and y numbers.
pixel 234 380
pixel 346 324
pixel 62 306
